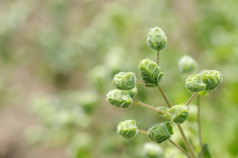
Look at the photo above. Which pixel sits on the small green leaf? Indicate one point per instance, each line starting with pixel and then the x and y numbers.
pixel 179 113
pixel 124 80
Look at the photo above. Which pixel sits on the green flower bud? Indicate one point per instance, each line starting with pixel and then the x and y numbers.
pixel 119 98
pixel 152 150
pixel 165 109
pixel 132 92
pixel 211 78
pixel 187 64
pixel 179 113
pixel 124 80
pixel 150 72
pixel 127 129
pixel 156 39
pixel 194 83
pixel 160 132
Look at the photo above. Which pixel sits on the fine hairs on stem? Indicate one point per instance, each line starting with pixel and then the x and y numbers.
pixel 151 74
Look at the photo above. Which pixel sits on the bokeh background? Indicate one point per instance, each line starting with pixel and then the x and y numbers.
pixel 58 57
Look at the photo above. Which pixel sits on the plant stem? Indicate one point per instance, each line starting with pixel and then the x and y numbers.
pixel 164 96
pixel 158 57
pixel 180 148
pixel 186 141
pixel 188 145
pixel 199 126
pixel 143 132
pixel 151 107
pixel 192 97
pixel 138 81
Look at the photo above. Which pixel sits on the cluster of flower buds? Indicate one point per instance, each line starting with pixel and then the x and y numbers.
pixel 160 132
pixel 206 80
pixel 150 73
pixel 127 129
pixel 156 39
pixel 125 82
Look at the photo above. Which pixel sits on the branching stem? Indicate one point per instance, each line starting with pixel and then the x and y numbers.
pixel 164 96
pixel 151 107
pixel 180 148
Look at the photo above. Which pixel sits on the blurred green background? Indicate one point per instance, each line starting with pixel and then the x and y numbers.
pixel 58 58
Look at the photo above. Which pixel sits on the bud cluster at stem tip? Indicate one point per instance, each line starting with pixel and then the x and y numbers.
pixel 206 80
pixel 127 129
pixel 156 39
pixel 150 73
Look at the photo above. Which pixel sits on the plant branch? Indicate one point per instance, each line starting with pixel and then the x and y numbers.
pixel 188 145
pixel 143 132
pixel 199 126
pixel 186 141
pixel 138 81
pixel 151 107
pixel 164 96
pixel 180 148
pixel 192 97
pixel 158 57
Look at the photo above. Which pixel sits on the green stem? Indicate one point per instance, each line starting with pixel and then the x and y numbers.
pixel 151 107
pixel 180 148
pixel 141 82
pixel 164 96
pixel 188 145
pixel 143 132
pixel 192 97
pixel 158 57
pixel 186 141
pixel 199 126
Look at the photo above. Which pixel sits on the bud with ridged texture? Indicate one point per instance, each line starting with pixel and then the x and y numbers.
pixel 179 113
pixel 156 39
pixel 211 78
pixel 119 98
pixel 124 80
pixel 160 132
pixel 152 150
pixel 127 129
pixel 187 64
pixel 194 83
pixel 150 73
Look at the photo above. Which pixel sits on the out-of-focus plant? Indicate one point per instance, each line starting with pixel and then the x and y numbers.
pixel 151 73
pixel 63 121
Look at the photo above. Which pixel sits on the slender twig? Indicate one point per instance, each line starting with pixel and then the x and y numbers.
pixel 192 97
pixel 143 132
pixel 186 141
pixel 138 81
pixel 199 126
pixel 164 96
pixel 180 148
pixel 157 57
pixel 188 145
pixel 150 107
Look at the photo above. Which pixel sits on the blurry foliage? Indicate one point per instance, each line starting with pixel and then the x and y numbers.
pixel 76 45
